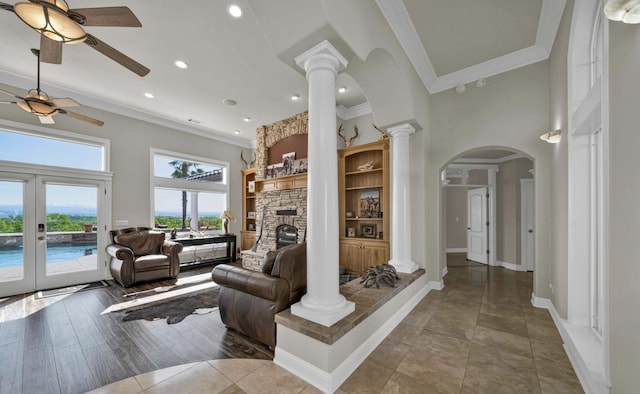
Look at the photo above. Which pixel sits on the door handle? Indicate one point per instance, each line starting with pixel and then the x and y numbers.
pixel 468 228
pixel 41 238
pixel 530 231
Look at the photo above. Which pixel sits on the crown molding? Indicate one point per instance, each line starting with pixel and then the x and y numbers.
pixel 345 113
pixel 17 81
pixel 400 22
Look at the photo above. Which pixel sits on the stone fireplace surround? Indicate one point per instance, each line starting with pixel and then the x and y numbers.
pixel 269 202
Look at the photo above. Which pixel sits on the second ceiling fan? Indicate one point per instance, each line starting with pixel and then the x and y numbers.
pixel 58 24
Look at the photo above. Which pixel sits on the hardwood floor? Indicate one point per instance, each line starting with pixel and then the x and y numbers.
pixel 64 344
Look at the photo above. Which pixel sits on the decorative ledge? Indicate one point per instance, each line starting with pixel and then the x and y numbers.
pixel 282 183
pixel 367 300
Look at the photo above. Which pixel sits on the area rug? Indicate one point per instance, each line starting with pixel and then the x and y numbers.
pixel 176 309
pixel 70 289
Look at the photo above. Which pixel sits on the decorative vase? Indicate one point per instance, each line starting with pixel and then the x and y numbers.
pixel 88 228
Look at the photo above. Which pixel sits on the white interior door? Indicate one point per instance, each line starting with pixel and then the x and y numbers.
pixel 527 219
pixel 477 225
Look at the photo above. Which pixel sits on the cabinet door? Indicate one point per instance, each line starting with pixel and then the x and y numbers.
pixel 351 257
pixel 374 254
pixel 248 239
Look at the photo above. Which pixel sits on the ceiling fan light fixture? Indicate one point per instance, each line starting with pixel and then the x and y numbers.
pixel 49 18
pixel 37 108
pixel 626 11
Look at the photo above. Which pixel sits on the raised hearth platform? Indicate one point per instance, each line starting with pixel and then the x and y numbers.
pixel 367 300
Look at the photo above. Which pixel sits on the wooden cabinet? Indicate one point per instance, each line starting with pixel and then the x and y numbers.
pixel 363 185
pixel 248 232
pixel 356 255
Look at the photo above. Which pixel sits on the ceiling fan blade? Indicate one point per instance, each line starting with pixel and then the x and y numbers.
pixel 81 117
pixel 11 94
pixel 6 7
pixel 46 119
pixel 116 55
pixel 8 102
pixel 106 16
pixel 64 102
pixel 50 51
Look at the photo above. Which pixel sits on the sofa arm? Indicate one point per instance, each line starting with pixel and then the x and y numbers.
pixel 120 252
pixel 254 283
pixel 172 249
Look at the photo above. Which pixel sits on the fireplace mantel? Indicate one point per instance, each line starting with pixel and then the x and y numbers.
pixel 286 182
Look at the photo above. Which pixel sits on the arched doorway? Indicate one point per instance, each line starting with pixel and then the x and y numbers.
pixel 488 209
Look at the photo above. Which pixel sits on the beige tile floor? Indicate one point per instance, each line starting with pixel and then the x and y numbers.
pixel 478 335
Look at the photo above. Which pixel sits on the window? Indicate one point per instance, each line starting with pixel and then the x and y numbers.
pixel 50 151
pixel 189 193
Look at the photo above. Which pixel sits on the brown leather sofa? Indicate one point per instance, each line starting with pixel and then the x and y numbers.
pixel 249 300
pixel 140 254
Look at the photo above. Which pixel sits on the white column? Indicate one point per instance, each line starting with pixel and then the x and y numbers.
pixel 194 212
pixel 323 303
pixel 401 199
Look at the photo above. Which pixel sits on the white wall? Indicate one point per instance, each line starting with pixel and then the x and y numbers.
pixel 511 111
pixel 624 265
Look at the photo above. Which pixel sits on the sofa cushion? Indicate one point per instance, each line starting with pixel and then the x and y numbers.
pixel 267 262
pixel 142 242
pixel 151 261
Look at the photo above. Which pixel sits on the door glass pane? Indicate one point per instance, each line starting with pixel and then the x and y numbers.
pixel 11 225
pixel 71 224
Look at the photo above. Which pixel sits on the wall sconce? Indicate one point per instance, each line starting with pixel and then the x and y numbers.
pixel 552 137
pixel 627 11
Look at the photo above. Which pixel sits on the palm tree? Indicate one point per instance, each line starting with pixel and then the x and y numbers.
pixel 181 169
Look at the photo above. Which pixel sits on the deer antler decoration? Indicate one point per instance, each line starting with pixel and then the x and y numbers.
pixel 384 135
pixel 348 143
pixel 249 164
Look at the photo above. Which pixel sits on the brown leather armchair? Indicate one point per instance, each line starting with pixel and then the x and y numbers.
pixel 249 300
pixel 140 254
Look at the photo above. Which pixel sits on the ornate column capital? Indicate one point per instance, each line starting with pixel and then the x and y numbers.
pixel 403 130
pixel 322 56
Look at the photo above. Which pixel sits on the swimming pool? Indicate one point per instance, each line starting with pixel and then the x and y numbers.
pixel 55 254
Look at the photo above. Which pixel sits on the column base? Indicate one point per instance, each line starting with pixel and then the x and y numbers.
pixel 321 314
pixel 406 266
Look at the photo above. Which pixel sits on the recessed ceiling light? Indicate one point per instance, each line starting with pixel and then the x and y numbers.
pixel 295 97
pixel 236 132
pixel 246 119
pixel 234 10
pixel 342 89
pixel 149 95
pixel 181 64
pixel 230 101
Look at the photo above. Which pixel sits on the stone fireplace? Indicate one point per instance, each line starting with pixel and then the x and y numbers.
pixel 283 208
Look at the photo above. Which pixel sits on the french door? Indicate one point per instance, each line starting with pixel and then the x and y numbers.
pixel 52 231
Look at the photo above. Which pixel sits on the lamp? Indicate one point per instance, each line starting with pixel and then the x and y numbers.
pixel 627 11
pixel 226 215
pixel 552 137
pixel 37 104
pixel 50 18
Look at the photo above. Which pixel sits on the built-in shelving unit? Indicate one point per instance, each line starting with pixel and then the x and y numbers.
pixel 363 184
pixel 248 232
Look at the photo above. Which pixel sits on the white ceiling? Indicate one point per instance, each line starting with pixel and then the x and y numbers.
pixel 448 42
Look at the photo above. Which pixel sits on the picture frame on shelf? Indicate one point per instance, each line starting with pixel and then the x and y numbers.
pixel 251 215
pixel 368 230
pixel 251 186
pixel 369 203
pixel 288 161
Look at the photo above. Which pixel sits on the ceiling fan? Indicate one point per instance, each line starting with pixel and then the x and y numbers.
pixel 38 103
pixel 57 25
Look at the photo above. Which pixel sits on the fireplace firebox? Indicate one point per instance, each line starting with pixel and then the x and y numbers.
pixel 286 234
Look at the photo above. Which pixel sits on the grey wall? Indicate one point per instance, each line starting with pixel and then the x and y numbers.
pixel 456 206
pixel 624 265
pixel 131 141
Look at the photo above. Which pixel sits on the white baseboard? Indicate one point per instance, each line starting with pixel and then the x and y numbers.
pixel 329 382
pixel 592 381
pixel 456 250
pixel 445 271
pixel 510 266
